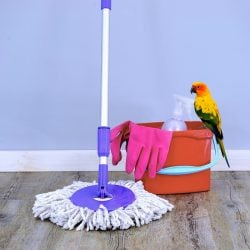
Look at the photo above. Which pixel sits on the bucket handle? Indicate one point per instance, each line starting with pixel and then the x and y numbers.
pixel 182 170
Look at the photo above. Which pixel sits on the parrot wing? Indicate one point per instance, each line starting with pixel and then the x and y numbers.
pixel 211 121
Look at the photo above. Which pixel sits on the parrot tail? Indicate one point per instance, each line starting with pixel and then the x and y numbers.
pixel 223 151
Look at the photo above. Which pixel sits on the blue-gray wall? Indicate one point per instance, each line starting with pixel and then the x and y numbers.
pixel 50 66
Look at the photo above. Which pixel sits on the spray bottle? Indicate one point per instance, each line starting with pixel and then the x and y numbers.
pixel 183 105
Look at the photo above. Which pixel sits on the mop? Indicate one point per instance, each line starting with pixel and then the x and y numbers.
pixel 103 205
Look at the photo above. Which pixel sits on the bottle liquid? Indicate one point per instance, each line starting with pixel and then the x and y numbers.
pixel 182 105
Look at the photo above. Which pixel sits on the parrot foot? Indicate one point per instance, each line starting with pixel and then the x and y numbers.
pixel 202 127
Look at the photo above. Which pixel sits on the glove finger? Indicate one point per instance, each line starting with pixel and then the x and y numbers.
pixel 142 163
pixel 152 165
pixel 119 130
pixel 162 155
pixel 115 144
pixel 133 154
pixel 118 135
pixel 115 133
pixel 115 148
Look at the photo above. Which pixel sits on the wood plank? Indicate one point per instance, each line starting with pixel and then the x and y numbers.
pixel 8 184
pixel 229 214
pixel 219 219
pixel 8 221
pixel 23 231
pixel 63 240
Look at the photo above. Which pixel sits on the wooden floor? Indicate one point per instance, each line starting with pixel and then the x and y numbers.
pixel 219 219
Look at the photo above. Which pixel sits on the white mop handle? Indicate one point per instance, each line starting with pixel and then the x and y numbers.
pixel 105 67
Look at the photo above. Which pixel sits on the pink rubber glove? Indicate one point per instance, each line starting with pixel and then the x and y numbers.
pixel 147 149
pixel 118 135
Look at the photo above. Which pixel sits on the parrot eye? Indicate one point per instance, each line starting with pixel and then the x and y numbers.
pixel 198 86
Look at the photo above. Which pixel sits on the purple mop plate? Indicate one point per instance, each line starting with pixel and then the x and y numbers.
pixel 88 197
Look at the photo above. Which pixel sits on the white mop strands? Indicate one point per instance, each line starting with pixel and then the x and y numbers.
pixel 57 207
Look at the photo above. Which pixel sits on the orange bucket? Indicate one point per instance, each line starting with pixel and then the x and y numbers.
pixel 191 147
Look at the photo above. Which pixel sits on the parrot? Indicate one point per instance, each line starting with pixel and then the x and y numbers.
pixel 207 110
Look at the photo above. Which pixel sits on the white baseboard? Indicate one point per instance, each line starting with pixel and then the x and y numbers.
pixel 87 160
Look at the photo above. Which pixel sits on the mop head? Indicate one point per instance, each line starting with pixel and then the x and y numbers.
pixel 57 207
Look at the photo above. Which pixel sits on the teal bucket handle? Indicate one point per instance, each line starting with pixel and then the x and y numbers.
pixel 182 170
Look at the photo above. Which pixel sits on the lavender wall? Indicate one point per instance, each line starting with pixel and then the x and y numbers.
pixel 50 66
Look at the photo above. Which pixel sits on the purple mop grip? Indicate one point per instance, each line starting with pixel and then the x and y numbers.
pixel 106 4
pixel 103 151
pixel 103 141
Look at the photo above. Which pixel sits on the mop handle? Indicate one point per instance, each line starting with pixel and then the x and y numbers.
pixel 103 129
pixel 105 6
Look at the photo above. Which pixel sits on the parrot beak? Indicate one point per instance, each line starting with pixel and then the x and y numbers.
pixel 192 90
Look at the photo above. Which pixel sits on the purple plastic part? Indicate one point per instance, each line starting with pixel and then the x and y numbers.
pixel 88 197
pixel 103 181
pixel 103 141
pixel 106 4
pixel 103 151
pixel 110 196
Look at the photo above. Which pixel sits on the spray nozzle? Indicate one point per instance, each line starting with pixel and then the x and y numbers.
pixel 183 105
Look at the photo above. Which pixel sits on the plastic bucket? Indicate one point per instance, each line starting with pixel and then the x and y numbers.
pixel 188 148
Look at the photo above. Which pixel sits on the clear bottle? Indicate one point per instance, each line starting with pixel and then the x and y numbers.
pixel 176 123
